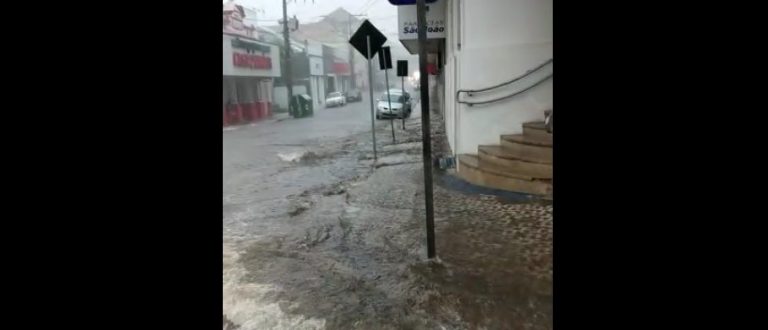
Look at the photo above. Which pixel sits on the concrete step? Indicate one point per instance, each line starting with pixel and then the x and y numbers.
pixel 527 148
pixel 537 130
pixel 497 158
pixel 471 170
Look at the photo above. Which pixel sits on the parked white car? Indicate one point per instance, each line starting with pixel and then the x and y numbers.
pixel 335 99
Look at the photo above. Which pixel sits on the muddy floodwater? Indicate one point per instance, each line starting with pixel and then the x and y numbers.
pixel 318 236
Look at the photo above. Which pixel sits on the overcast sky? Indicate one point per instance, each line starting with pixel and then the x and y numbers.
pixel 380 12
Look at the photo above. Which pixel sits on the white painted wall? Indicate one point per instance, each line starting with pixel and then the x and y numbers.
pixel 317 84
pixel 281 94
pixel 313 91
pixel 317 75
pixel 323 92
pixel 500 40
pixel 314 48
pixel 316 66
pixel 341 53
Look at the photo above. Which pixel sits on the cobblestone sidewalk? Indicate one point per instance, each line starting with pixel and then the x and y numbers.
pixel 495 267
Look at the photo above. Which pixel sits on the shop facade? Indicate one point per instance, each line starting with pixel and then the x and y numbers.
pixel 337 70
pixel 249 70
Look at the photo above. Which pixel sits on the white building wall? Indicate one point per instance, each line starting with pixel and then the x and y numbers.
pixel 323 91
pixel 342 53
pixel 316 66
pixel 317 84
pixel 317 77
pixel 314 48
pixel 500 40
pixel 281 94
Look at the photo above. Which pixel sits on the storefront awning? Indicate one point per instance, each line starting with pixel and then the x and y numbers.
pixel 250 46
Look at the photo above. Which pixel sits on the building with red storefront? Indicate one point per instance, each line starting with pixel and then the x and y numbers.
pixel 340 62
pixel 337 69
pixel 249 68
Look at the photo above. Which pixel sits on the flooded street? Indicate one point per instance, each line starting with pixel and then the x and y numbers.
pixel 317 236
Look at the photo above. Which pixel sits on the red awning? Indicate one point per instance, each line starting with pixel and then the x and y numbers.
pixel 341 68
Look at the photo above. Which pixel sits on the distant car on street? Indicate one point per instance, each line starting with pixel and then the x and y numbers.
pixel 335 99
pixel 354 95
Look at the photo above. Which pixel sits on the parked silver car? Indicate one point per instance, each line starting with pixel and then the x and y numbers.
pixel 401 108
pixel 335 99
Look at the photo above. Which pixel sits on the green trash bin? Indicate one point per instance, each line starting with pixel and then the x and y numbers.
pixel 301 106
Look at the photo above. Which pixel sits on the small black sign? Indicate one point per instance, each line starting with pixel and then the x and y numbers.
pixel 359 40
pixel 385 58
pixel 402 68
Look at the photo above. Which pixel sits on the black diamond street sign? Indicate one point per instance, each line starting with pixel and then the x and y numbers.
pixel 359 40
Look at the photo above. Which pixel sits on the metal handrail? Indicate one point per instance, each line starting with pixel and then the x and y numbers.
pixel 504 83
pixel 508 96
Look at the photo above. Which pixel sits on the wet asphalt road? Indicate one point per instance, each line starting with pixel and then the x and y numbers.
pixel 330 242
pixel 256 180
pixel 276 212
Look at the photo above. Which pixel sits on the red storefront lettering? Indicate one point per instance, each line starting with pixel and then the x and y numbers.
pixel 251 61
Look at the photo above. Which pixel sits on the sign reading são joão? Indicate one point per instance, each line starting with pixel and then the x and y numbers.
pixel 435 19
pixel 432 26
